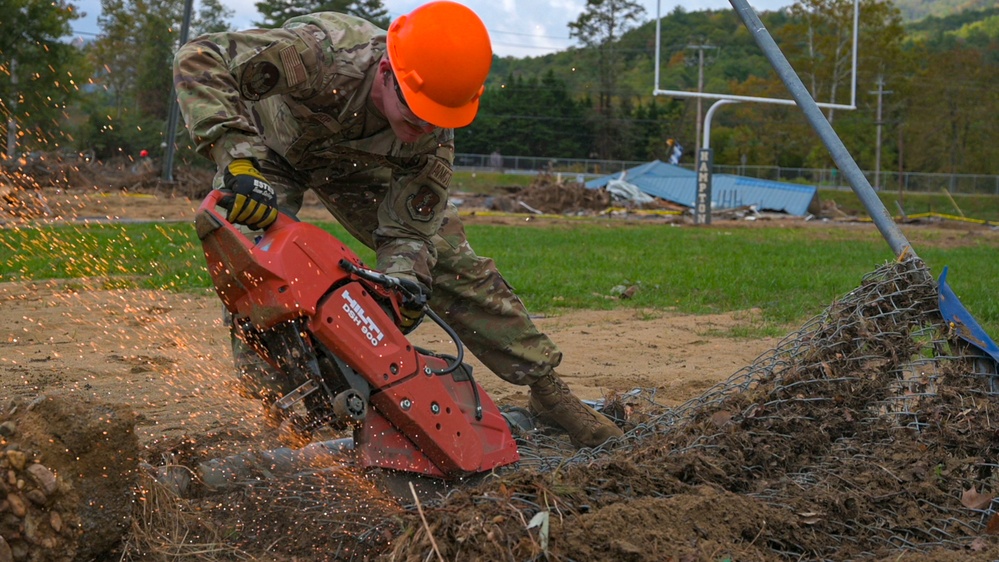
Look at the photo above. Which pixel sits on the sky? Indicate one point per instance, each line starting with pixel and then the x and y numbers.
pixel 518 28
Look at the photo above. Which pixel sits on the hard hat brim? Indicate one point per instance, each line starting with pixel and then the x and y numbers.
pixel 440 115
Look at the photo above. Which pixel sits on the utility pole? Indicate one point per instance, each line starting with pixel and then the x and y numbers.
pixel 901 167
pixel 881 92
pixel 700 89
pixel 12 107
pixel 174 116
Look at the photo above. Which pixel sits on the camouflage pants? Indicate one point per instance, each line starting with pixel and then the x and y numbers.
pixel 469 293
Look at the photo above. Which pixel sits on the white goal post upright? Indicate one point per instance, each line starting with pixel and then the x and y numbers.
pixel 702 208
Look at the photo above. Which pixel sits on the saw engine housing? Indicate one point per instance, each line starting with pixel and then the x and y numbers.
pixel 305 302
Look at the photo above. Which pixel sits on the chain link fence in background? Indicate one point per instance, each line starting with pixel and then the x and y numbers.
pixel 586 169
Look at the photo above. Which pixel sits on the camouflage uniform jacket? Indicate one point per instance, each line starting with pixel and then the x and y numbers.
pixel 302 91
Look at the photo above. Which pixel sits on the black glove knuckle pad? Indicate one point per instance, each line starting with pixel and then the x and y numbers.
pixel 254 202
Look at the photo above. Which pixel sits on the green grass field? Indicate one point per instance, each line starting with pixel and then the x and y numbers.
pixel 789 273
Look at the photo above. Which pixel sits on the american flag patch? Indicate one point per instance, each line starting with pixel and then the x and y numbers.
pixel 294 68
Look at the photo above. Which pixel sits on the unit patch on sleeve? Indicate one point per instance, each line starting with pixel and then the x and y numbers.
pixel 440 172
pixel 258 79
pixel 422 204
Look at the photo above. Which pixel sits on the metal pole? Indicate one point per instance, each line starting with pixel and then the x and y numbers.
pixel 882 218
pixel 659 34
pixel 856 44
pixel 700 89
pixel 707 121
pixel 879 122
pixel 12 119
pixel 877 154
pixel 171 130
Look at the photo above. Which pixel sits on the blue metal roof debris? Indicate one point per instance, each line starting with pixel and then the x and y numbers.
pixel 679 185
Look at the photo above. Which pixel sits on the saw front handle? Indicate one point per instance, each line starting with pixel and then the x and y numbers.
pixel 211 202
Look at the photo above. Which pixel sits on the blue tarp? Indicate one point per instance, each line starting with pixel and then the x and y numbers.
pixel 679 185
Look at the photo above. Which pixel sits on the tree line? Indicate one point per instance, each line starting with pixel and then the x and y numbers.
pixel 931 82
pixel 934 80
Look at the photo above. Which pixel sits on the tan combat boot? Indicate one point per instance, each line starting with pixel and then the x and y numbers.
pixel 553 402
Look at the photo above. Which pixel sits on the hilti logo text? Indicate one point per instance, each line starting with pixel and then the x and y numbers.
pixel 357 314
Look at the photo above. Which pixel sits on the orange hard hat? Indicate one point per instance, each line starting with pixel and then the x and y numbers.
pixel 441 54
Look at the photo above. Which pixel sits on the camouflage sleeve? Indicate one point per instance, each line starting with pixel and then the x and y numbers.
pixel 217 76
pixel 411 214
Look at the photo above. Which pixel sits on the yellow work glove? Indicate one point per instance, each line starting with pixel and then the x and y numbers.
pixel 252 201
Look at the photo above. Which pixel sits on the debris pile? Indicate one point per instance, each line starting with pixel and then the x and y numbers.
pixel 26 189
pixel 37 513
pixel 548 194
pixel 551 194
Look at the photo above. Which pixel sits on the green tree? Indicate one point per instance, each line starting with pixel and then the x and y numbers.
pixel 154 76
pixel 134 50
pixel 134 55
pixel 599 28
pixel 952 113
pixel 39 74
pixel 653 124
pixel 818 41
pixel 212 17
pixel 371 10
pixel 527 117
pixel 736 58
pixel 276 12
pixel 766 134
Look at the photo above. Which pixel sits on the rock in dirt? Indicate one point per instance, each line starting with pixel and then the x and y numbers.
pixel 68 468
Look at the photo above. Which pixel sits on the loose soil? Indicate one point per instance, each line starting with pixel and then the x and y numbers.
pixel 99 385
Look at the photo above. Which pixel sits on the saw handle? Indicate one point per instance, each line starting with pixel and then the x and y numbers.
pixel 394 284
pixel 211 202
pixel 387 281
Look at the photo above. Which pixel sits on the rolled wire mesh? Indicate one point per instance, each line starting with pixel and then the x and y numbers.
pixel 872 418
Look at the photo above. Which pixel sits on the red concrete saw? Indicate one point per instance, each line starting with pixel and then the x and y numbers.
pixel 309 307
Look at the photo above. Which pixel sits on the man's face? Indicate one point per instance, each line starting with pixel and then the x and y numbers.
pixel 406 125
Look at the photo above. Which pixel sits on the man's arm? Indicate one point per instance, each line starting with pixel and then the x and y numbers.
pixel 411 215
pixel 216 75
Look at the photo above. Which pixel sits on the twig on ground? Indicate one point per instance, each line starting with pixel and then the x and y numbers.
pixel 423 518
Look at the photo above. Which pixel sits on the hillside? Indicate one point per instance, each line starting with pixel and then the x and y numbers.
pixel 733 55
pixel 915 10
pixel 967 25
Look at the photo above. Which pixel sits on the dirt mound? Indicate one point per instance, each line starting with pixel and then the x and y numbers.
pixel 550 195
pixel 70 466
